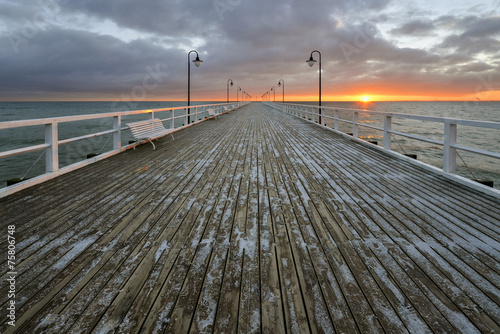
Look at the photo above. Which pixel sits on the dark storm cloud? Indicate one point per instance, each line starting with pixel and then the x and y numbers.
pixel 172 18
pixel 474 35
pixel 470 45
pixel 247 36
pixel 415 28
pixel 483 27
pixel 63 60
pixel 253 42
pixel 11 12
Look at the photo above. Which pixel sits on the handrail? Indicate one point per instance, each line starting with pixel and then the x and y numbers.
pixel 310 113
pixel 52 141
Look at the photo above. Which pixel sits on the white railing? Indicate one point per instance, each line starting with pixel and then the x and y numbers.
pixel 449 142
pixel 195 114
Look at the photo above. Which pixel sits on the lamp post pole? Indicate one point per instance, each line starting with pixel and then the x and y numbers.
pixel 229 81
pixel 197 62
pixel 279 85
pixel 311 62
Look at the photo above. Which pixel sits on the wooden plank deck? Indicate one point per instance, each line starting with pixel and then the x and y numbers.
pixel 255 222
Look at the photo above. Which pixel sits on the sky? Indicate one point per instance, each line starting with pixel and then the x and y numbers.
pixel 122 50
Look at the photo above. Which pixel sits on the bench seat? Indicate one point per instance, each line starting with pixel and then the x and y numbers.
pixel 148 130
pixel 211 113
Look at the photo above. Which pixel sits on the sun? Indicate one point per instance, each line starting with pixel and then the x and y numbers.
pixel 365 98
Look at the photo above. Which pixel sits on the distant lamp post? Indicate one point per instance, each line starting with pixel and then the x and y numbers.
pixel 197 62
pixel 273 89
pixel 311 62
pixel 229 81
pixel 279 85
pixel 238 89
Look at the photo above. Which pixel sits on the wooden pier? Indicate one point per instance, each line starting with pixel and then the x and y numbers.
pixel 253 222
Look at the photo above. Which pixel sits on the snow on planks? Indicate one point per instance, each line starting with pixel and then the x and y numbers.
pixel 259 222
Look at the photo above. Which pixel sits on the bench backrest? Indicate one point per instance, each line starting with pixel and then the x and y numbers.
pixel 144 128
pixel 211 112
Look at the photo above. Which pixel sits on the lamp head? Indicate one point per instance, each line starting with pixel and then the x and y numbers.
pixel 279 84
pixel 231 84
pixel 311 61
pixel 197 61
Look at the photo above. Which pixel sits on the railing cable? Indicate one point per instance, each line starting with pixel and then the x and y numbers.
pixel 29 170
pixel 102 148
pixel 397 142
pixel 470 171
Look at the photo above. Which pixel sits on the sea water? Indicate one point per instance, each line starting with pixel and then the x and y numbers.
pixel 33 163
pixel 469 165
pixel 481 167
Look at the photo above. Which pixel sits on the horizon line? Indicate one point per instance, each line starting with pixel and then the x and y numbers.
pixel 223 101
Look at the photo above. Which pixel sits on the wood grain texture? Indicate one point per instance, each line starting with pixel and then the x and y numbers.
pixel 255 222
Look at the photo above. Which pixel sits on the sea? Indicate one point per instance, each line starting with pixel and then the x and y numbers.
pixel 472 166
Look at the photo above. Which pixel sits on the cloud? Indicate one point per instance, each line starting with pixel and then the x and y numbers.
pixel 473 35
pixel 481 27
pixel 415 28
pixel 470 45
pixel 255 43
pixel 64 60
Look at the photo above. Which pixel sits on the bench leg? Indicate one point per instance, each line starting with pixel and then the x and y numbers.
pixel 154 147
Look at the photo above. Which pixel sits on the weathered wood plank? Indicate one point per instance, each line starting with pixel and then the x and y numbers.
pixel 258 222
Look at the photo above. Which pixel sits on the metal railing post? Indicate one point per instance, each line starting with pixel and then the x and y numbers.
pixel 117 135
pixel 52 152
pixel 355 125
pixel 450 153
pixel 387 133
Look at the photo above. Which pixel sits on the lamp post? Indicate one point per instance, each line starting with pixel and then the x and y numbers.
pixel 228 88
pixel 279 85
pixel 197 62
pixel 273 89
pixel 238 89
pixel 311 62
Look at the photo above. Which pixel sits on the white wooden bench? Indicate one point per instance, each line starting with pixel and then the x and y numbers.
pixel 149 130
pixel 211 113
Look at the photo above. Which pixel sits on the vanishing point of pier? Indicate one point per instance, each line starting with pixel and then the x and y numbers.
pixel 253 222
